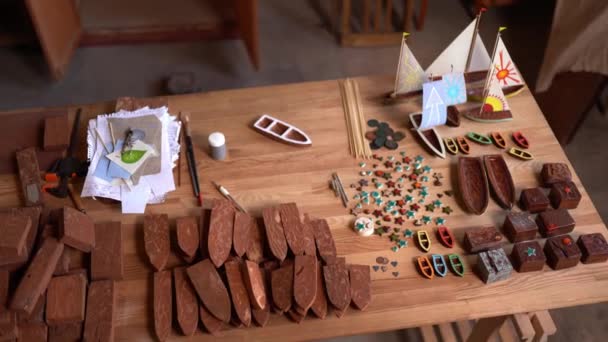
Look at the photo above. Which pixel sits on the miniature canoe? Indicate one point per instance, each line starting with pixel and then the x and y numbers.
pixel 473 184
pixel 456 264
pixel 281 131
pixel 430 137
pixel 453 119
pixel 450 145
pixel 423 240
pixel 520 140
pixel 439 265
pixel 463 145
pixel 500 180
pixel 479 138
pixel 515 152
pixel 445 236
pixel 425 267
pixel 498 140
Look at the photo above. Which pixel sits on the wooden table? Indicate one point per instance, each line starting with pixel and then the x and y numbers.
pixel 260 172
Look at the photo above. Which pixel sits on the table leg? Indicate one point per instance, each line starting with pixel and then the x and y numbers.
pixel 485 328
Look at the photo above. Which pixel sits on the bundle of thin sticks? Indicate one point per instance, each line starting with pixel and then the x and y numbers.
pixel 336 185
pixel 355 121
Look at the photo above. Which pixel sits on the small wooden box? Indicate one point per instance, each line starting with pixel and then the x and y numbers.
pixel 493 266
pixel 564 195
pixel 555 172
pixel 594 248
pixel 555 222
pixel 519 227
pixel 534 200
pixel 482 239
pixel 528 256
pixel 562 252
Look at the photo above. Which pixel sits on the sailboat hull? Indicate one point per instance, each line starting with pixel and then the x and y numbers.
pixel 476 114
pixel 429 137
pixel 500 180
pixel 473 184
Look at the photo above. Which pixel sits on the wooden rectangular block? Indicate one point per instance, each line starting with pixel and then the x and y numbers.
pixel 71 259
pixel 65 299
pixel 37 314
pixel 555 222
pixel 70 332
pixel 56 133
pixel 32 331
pixel 186 302
pixel 107 256
pixel 528 256
pixel 77 230
pixel 157 239
pixel 29 175
pixel 13 262
pixel 37 276
pixel 187 236
pixel 480 239
pixel 8 326
pixel 519 227
pixel 552 173
pixel 534 200
pixel 564 195
pixel 493 265
pixel 562 252
pixel 163 304
pixel 100 313
pixel 13 234
pixel 594 248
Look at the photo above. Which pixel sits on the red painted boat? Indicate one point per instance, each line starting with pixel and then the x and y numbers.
pixel 445 236
pixel 425 266
pixel 520 140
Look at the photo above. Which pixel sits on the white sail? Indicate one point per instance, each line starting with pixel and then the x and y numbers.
pixel 434 111
pixel 454 57
pixel 410 75
pixel 495 100
pixel 505 71
pixel 480 59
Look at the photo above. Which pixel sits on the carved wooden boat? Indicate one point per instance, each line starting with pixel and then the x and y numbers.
pixel 439 265
pixel 463 145
pixel 515 152
pixel 445 236
pixel 429 137
pixel 479 138
pixel 500 180
pixel 425 267
pixel 498 140
pixel 456 264
pixel 476 93
pixel 520 140
pixel 450 145
pixel 476 114
pixel 423 240
pixel 281 131
pixel 473 184
pixel 453 119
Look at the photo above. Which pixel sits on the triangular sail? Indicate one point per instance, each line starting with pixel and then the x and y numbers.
pixel 495 100
pixel 480 59
pixel 433 107
pixel 504 69
pixel 454 57
pixel 410 75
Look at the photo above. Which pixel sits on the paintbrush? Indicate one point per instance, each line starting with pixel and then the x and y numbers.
pixel 226 194
pixel 192 161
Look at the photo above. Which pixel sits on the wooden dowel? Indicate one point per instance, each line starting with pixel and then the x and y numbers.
pixel 366 15
pixel 388 19
pixel 378 16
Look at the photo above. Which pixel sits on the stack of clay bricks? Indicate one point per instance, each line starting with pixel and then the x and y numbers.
pixel 240 269
pixel 57 273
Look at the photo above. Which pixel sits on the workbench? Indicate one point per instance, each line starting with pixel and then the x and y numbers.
pixel 260 172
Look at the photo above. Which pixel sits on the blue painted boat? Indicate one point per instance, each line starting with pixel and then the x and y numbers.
pixel 441 268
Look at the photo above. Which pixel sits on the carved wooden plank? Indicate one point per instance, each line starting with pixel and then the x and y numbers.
pixel 156 239
pixel 101 311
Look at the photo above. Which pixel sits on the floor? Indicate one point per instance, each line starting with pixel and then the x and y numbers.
pixel 296 47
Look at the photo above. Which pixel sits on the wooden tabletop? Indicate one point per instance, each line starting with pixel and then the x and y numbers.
pixel 261 172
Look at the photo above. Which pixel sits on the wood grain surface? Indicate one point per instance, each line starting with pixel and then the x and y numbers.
pixel 261 173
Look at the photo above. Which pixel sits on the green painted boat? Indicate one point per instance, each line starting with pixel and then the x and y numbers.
pixel 456 264
pixel 479 138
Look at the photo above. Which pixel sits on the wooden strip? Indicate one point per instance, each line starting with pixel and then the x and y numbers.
pixel 254 282
pixel 378 16
pixel 282 287
pixel 428 334
pixel 210 289
pixel 543 325
pixel 221 226
pixel 305 281
pixel 163 304
pixel 242 232
pixel 464 329
pixel 523 326
pixel 360 285
pixel 485 328
pixel 292 227
pixel 447 333
pixel 29 174
pixel 366 15
pixel 238 292
pixel 346 16
pixel 408 13
pixel 388 16
pixel 107 256
pixel 101 311
pixel 508 333
pixel 274 232
pixel 157 240
pixel 186 302
pixel 255 249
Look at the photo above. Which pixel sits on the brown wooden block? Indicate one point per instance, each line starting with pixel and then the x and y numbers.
pixel 360 285
pixel 319 306
pixel 254 282
pixel 37 276
pixel 292 227
pixel 594 248
pixel 101 311
pixel 186 302
pixel 4 286
pixel 242 232
pixel 188 236
pixel 281 281
pixel 204 233
pixel 564 195
pixel 480 239
pixel 308 237
pixel 534 200
pixel 29 174
pixel 37 314
pixel 255 249
pixel 562 252
pixel 261 316
pixel 213 325
pixel 519 227
pixel 555 222
pixel 8 326
pixel 305 280
pixel 238 292
pixel 157 240
pixel 70 332
pixel 107 256
pixel 528 256
pixel 220 232
pixel 32 332
pixel 274 232
pixel 210 289
pixel 163 304
pixel 296 316
pixel 56 133
pixel 71 259
pixel 77 230
pixel 555 172
pixel 14 233
pixel 65 299
pixel 338 285
pixel 13 262
pixel 324 240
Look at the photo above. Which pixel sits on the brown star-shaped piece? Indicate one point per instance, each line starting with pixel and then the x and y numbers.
pixel 402 211
pixel 390 184
pixel 400 203
pixel 388 164
pixel 377 213
pixel 363 182
pixel 396 192
pixel 407 160
pixel 399 220
pixel 415 207
pixel 417 185
pixel 387 175
pixel 387 218
pixel 412 176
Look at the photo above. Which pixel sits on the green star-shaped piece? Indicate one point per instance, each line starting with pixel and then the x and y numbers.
pixel 439 221
pixel 531 251
pixel 378 231
pixel 447 210
pixel 430 207
pixel 379 185
pixel 395 249
pixel 357 196
pixel 391 203
pixel 424 179
pixel 366 200
pixel 410 214
pixel 423 193
pixel 387 175
pixel 375 194
pixel 394 237
pixel 362 164
pixel 364 193
pixel 408 199
pixel 408 233
pixel 407 167
pixel 402 153
pixel 426 219
pixel 360 226
pixel 400 179
pixel 417 171
pixel 395 213
pixel 402 243
pixel 398 169
pixel 419 158
pixel 426 169
pixel 379 201
pixel 437 203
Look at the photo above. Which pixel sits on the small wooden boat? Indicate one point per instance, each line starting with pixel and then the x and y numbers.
pixel 450 145
pixel 281 131
pixel 430 137
pixel 425 267
pixel 453 119
pixel 423 240
pixel 473 184
pixel 500 180
pixel 498 140
pixel 476 114
pixel 445 236
pixel 463 145
pixel 479 138
pixel 517 153
pixel 439 265
pixel 456 264
pixel 520 140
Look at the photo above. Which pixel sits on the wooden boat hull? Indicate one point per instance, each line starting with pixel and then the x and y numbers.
pixel 281 131
pixel 520 140
pixel 498 140
pixel 517 153
pixel 423 240
pixel 463 145
pixel 425 267
pixel 431 139
pixel 453 119
pixel 456 264
pixel 476 93
pixel 476 114
pixel 450 145
pixel 479 138
pixel 445 236
pixel 439 265
pixel 473 184
pixel 500 180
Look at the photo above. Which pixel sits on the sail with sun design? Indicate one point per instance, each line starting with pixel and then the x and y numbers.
pixel 410 75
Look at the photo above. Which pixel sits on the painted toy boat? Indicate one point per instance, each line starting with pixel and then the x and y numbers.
pixel 423 240
pixel 456 264
pixel 479 138
pixel 439 265
pixel 476 114
pixel 463 145
pixel 425 267
pixel 281 131
pixel 498 140
pixel 430 137
pixel 445 236
pixel 515 152
pixel 473 184
pixel 500 180
pixel 450 145
pixel 520 140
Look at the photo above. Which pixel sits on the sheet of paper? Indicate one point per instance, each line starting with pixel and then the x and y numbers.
pixel 134 201
pixel 131 166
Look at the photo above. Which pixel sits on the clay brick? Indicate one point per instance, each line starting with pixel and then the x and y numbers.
pixel 187 236
pixel 15 229
pixel 107 256
pixel 163 304
pixel 101 305
pixel 29 174
pixel 8 326
pixel 32 331
pixel 56 133
pixel 70 332
pixel 157 240
pixel 37 276
pixel 65 299
pixel 186 302
pixel 77 230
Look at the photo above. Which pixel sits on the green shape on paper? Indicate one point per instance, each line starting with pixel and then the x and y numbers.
pixel 132 156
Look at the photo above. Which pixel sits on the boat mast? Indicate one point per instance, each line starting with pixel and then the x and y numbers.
pixel 405 34
pixel 474 39
pixel 486 85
